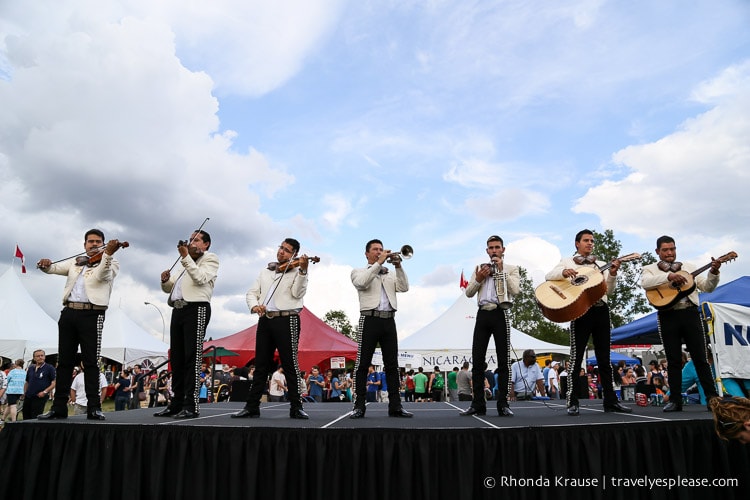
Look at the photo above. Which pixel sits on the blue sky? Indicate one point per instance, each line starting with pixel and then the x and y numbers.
pixel 435 124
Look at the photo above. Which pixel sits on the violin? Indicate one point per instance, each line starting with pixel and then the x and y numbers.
pixel 291 264
pixel 90 260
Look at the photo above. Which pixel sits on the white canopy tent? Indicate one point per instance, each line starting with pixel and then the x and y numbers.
pixel 127 343
pixel 26 327
pixel 446 342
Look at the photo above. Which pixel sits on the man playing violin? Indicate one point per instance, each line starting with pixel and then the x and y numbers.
pixel 594 324
pixel 190 299
pixel 491 283
pixel 377 289
pixel 682 321
pixel 277 298
pixel 85 299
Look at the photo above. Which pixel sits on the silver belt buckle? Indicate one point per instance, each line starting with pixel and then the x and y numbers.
pixel 179 303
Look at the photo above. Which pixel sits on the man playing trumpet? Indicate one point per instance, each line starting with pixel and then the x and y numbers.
pixel 494 284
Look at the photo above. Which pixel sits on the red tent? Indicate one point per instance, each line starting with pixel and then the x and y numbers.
pixel 318 342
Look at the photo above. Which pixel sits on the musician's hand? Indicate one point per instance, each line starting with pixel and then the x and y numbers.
pixel 676 279
pixel 304 261
pixel 483 271
pixel 43 263
pixel 715 265
pixel 614 267
pixel 259 310
pixel 112 247
pixel 165 276
pixel 182 248
pixel 569 273
pixel 383 256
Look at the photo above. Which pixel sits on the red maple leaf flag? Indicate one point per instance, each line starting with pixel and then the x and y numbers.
pixel 463 283
pixel 19 254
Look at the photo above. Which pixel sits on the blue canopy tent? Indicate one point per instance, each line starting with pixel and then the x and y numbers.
pixel 614 357
pixel 645 330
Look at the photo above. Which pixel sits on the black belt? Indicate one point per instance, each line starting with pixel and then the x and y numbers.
pixel 277 314
pixel 180 303
pixel 379 314
pixel 84 306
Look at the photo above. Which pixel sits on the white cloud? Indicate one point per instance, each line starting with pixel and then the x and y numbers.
pixel 694 178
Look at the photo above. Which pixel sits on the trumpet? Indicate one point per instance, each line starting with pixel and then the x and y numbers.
pixel 406 252
pixel 501 287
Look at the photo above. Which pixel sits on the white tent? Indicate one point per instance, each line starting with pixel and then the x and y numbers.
pixel 446 342
pixel 25 325
pixel 127 343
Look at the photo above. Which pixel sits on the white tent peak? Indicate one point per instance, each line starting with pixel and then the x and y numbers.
pixel 449 337
pixel 26 327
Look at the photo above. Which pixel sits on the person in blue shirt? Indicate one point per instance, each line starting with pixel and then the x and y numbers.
pixel 315 384
pixel 373 385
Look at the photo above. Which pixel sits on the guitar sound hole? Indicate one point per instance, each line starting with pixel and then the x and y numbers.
pixel 580 280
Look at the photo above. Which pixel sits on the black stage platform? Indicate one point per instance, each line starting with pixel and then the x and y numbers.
pixel 541 452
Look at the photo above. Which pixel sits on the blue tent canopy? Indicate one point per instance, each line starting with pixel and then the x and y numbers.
pixel 614 358
pixel 645 330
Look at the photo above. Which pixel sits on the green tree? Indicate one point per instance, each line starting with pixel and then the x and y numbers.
pixel 527 317
pixel 340 322
pixel 628 300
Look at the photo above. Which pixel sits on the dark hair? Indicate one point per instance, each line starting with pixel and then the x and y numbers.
pixel 93 231
pixel 495 238
pixel 370 243
pixel 580 234
pixel 663 239
pixel 205 235
pixel 293 243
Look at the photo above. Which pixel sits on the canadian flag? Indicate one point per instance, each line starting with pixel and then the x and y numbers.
pixel 19 254
pixel 463 283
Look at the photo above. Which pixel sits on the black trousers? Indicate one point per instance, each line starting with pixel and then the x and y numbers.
pixel 187 330
pixel 488 324
pixel 280 333
pixel 78 328
pixel 592 325
pixel 374 331
pixel 33 406
pixel 674 328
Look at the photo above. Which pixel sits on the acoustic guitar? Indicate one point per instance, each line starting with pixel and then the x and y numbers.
pixel 567 299
pixel 668 294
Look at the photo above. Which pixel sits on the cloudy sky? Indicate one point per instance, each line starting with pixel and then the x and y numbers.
pixel 432 123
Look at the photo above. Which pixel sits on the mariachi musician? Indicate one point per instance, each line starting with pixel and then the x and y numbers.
pixel 85 300
pixel 681 321
pixel 594 324
pixel 495 284
pixel 190 299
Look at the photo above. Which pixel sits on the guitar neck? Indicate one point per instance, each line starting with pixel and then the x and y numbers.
pixel 700 270
pixel 624 258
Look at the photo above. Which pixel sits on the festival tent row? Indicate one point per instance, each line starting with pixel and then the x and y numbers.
pixel 727 312
pixel 318 343
pixel 27 328
pixel 446 341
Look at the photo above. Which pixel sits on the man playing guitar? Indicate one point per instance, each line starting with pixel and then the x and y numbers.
pixel 681 321
pixel 593 324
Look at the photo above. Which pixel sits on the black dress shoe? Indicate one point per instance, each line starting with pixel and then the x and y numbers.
pixel 472 411
pixel 617 407
pixel 166 412
pixel 357 413
pixel 299 414
pixel 245 413
pixel 504 411
pixel 52 415
pixel 671 407
pixel 95 415
pixel 573 410
pixel 400 412
pixel 186 414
